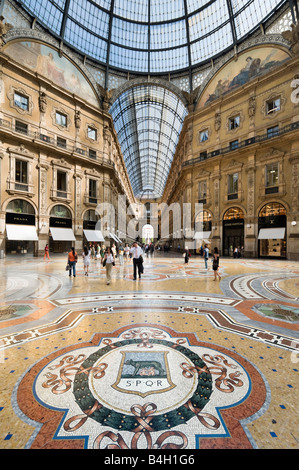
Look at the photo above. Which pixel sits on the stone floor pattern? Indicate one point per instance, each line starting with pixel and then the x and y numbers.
pixel 174 360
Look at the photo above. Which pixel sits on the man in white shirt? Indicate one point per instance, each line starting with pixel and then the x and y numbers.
pixel 136 252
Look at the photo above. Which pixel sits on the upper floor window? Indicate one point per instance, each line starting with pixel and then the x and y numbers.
pixel 202 191
pixel 204 135
pixel 21 175
pixel 21 101
pixel 61 119
pixel 232 186
pixel 234 144
pixel 272 131
pixel 273 105
pixel 92 191
pixel 92 133
pixel 234 122
pixel 272 175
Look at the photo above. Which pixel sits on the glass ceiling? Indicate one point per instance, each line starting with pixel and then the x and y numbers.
pixel 151 36
pixel 148 120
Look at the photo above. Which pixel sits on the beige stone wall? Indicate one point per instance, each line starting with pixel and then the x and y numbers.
pixel 48 148
pixel 199 164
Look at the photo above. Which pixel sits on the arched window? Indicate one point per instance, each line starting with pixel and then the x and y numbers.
pixel 272 209
pixel 233 213
pixel 20 206
pixel 61 211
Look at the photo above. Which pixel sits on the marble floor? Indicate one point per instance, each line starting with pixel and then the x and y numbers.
pixel 174 360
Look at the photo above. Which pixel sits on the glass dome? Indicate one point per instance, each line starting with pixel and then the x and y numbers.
pixel 151 36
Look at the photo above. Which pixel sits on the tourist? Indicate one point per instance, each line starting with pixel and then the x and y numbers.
pixel 186 255
pixel 136 253
pixel 206 255
pixel 127 252
pixel 121 255
pixel 108 262
pixel 215 264
pixel 86 260
pixel 46 255
pixel 72 260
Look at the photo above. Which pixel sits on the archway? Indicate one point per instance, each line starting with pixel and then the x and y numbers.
pixel 233 231
pixel 61 233
pixel 21 236
pixel 272 222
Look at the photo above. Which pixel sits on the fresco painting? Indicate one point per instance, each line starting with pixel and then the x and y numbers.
pixel 47 62
pixel 249 65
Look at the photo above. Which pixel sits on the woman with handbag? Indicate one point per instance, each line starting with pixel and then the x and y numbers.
pixel 72 260
pixel 108 262
pixel 215 264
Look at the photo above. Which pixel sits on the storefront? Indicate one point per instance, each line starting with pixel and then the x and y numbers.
pixel 272 231
pixel 90 229
pixel 202 229
pixel 233 231
pixel 62 237
pixel 21 235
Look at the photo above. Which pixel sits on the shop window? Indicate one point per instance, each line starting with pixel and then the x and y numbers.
pixel 234 122
pixel 21 101
pixel 21 175
pixel 61 119
pixel 232 186
pixel 273 105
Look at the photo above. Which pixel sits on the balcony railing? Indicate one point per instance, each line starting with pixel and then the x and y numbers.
pixel 244 143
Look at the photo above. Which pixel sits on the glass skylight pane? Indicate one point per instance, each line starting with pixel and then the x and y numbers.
pixel 136 10
pixel 162 11
pixel 252 15
pixel 171 59
pixel 129 34
pixel 168 35
pixel 211 45
pixel 128 59
pixel 49 12
pixel 90 16
pixel 85 42
pixel 208 20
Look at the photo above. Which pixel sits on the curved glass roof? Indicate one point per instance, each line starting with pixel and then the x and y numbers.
pixel 148 120
pixel 151 36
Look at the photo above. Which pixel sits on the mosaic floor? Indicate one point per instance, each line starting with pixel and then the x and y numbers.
pixel 175 360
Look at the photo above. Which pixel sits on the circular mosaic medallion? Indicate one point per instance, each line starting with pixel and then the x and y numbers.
pixel 136 382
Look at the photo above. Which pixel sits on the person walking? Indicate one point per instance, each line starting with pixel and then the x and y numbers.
pixel 121 255
pixel 108 262
pixel 86 260
pixel 72 260
pixel 206 255
pixel 215 264
pixel 46 255
pixel 186 255
pixel 136 252
pixel 127 252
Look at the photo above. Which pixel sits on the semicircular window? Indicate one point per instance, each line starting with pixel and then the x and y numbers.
pixel 148 120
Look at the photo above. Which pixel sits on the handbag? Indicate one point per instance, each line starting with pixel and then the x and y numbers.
pixel 141 259
pixel 67 268
pixel 104 263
